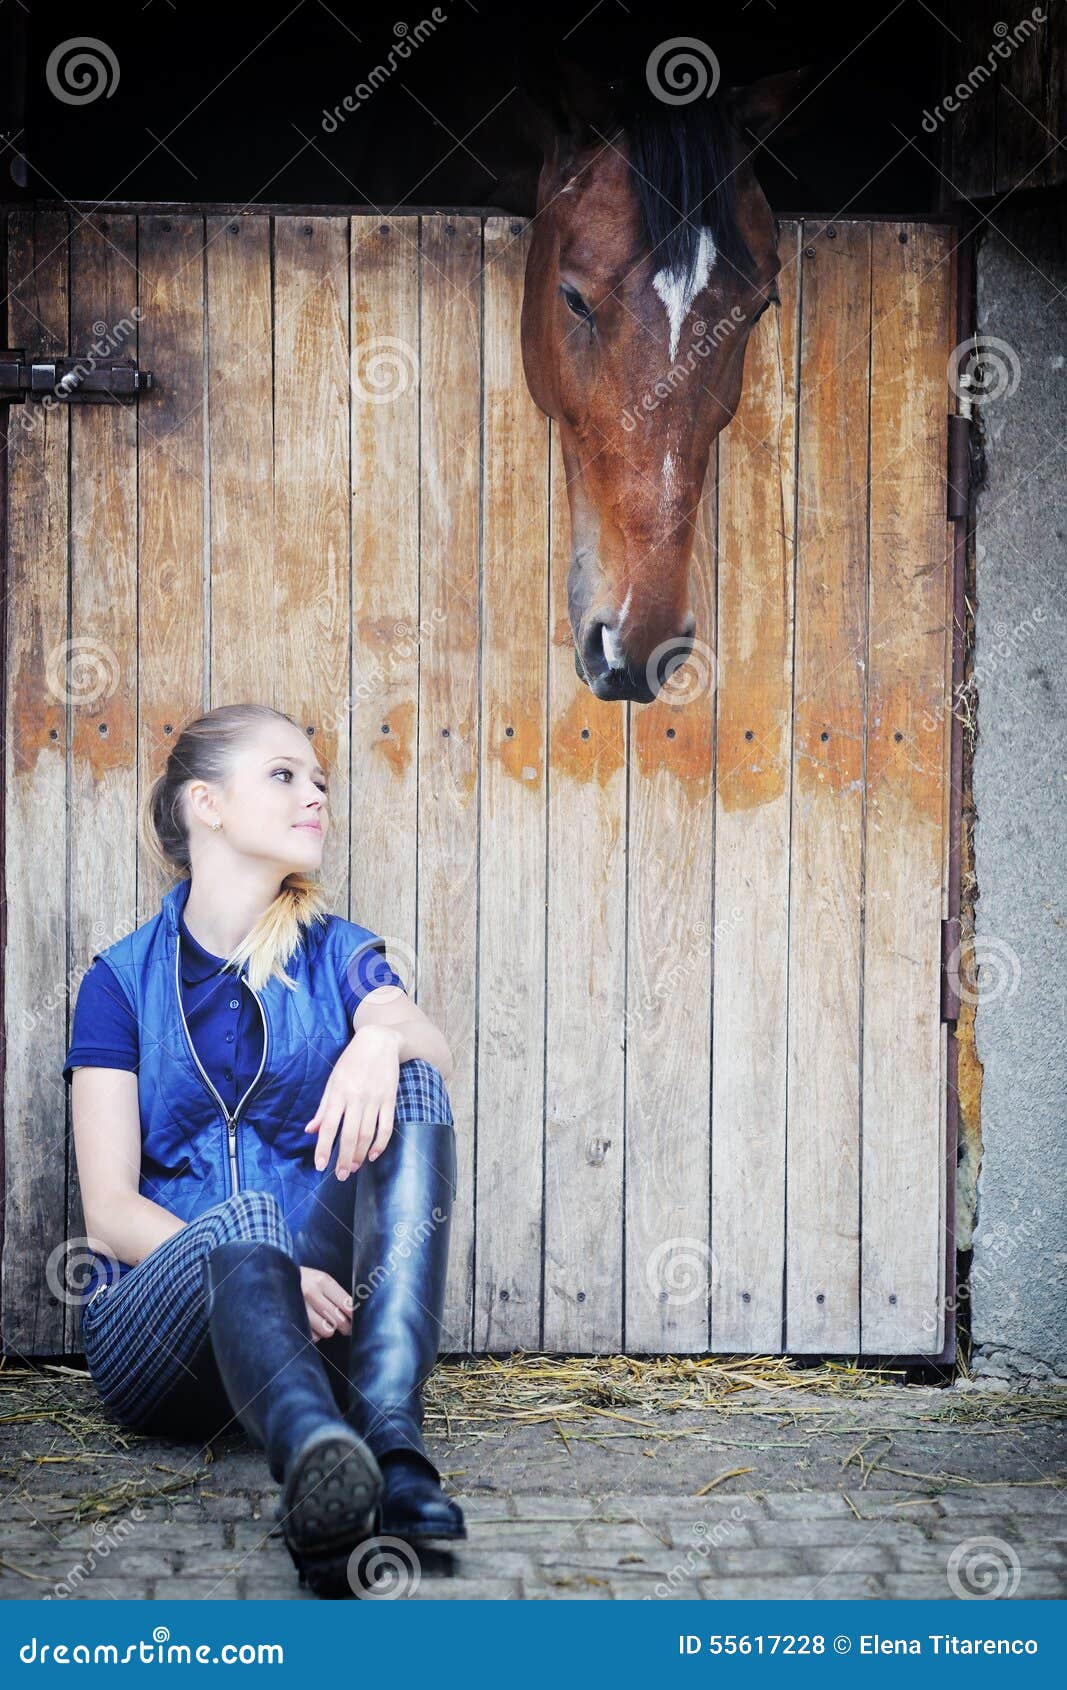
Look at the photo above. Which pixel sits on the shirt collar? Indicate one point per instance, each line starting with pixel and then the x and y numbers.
pixel 198 964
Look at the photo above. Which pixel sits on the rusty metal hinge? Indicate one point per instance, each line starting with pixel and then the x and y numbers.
pixel 959 466
pixel 950 968
pixel 85 380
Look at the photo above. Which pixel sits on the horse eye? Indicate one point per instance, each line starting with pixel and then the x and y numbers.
pixel 575 302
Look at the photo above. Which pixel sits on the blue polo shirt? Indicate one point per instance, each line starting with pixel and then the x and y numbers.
pixel 225 1025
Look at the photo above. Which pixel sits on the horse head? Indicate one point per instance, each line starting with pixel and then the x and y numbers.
pixel 653 252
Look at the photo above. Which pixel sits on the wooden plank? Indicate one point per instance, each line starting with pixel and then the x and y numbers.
pixel 240 452
pixel 514 779
pixel 752 787
pixel 35 1313
pixel 312 483
pixel 171 498
pixel 383 692
pixel 669 1265
pixel 103 596
pixel 907 777
pixel 823 1152
pixel 1029 151
pixel 586 989
pixel 969 133
pixel 450 450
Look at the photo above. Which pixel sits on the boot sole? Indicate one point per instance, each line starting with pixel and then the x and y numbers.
pixel 329 1505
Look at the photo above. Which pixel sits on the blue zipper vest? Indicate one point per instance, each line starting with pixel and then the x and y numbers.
pixel 193 1154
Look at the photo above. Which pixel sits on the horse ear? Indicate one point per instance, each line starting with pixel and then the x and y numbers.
pixel 567 105
pixel 758 107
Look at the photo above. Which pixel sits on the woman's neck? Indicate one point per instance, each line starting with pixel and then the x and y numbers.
pixel 219 916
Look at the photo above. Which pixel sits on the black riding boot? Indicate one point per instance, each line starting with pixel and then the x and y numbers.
pixel 383 1234
pixel 276 1382
pixel 402 1221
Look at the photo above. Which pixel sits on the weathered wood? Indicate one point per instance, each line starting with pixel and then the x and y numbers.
pixel 1002 109
pixel 312 553
pixel 38 670
pixel 103 621
pixel 906 781
pixel 383 694
pixel 669 1265
pixel 752 760
pixel 171 683
pixel 449 711
pixel 823 1109
pixel 240 414
pixel 512 873
pixel 628 1098
pixel 586 993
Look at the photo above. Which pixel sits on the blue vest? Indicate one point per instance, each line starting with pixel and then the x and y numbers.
pixel 193 1155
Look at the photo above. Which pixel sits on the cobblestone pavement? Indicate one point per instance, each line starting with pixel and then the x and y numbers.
pixel 901 1493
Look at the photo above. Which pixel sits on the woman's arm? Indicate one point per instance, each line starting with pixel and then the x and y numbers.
pixel 416 1034
pixel 119 1222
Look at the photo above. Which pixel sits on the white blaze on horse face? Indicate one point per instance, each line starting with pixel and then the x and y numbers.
pixel 678 291
pixel 670 477
pixel 612 652
pixel 609 637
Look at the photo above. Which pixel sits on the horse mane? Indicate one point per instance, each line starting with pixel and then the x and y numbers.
pixel 681 159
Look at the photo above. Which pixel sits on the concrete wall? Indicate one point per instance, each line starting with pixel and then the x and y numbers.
pixel 1018 1279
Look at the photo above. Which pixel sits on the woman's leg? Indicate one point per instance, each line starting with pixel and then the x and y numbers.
pixel 147 1339
pixel 383 1234
pixel 229 1282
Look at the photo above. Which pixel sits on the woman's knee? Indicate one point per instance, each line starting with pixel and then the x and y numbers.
pixel 247 1215
pixel 422 1094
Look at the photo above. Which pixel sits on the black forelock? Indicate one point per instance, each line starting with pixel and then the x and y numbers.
pixel 681 158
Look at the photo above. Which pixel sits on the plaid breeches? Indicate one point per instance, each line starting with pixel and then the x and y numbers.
pixel 147 1338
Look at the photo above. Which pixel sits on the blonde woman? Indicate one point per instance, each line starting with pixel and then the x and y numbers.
pixel 266 1154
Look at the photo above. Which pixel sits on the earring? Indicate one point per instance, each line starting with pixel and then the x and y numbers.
pixel 216 824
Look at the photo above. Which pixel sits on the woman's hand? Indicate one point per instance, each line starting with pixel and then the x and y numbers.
pixel 361 1091
pixel 328 1305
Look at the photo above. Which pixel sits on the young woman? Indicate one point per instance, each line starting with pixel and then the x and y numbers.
pixel 266 1154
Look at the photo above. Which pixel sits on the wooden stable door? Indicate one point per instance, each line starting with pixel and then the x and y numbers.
pixel 686 955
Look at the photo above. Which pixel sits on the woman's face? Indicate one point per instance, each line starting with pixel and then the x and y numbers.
pixel 275 804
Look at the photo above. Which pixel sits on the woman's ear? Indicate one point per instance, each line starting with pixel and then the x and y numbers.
pixel 774 102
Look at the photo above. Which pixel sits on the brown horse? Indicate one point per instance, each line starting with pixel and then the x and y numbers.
pixel 653 253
